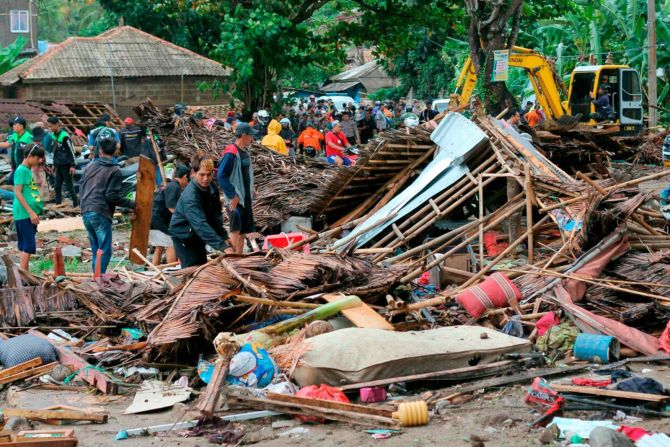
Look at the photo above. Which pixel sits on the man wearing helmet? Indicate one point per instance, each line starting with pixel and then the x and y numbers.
pixel 288 135
pixel 261 126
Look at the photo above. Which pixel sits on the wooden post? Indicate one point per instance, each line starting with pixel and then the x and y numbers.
pixel 157 152
pixel 529 213
pixel 480 187
pixel 59 264
pixel 144 199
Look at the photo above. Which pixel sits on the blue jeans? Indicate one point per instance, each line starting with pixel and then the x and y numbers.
pixel 100 235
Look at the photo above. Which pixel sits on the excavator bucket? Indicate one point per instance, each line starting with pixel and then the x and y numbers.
pixel 565 122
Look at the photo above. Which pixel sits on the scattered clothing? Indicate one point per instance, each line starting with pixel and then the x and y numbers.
pixel 644 385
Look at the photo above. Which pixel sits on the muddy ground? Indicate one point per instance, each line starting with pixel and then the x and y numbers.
pixel 498 417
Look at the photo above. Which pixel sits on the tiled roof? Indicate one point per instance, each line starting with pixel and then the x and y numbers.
pixel 121 52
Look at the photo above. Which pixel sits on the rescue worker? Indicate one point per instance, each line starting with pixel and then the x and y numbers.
pixel 350 127
pixel 310 140
pixel 63 159
pixel 236 177
pixel 288 135
pixel 198 219
pixel 273 141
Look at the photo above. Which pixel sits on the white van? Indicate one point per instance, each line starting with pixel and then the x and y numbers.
pixel 340 101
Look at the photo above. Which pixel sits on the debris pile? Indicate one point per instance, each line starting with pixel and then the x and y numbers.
pixel 462 256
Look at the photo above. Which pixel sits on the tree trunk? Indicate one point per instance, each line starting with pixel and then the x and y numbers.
pixel 489 31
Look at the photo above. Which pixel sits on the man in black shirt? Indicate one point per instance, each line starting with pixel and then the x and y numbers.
pixel 165 202
pixel 197 220
pixel 63 159
pixel 366 127
pixel 131 138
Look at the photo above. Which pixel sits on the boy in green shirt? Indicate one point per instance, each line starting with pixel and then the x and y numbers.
pixel 27 203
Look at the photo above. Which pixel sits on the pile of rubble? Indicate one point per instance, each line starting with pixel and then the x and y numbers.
pixel 458 253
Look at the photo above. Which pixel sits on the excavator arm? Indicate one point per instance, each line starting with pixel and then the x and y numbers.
pixel 540 72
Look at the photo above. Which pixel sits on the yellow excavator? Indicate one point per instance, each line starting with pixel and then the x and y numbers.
pixel 621 83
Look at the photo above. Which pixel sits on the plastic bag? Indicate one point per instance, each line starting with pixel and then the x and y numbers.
pixel 323 392
pixel 252 366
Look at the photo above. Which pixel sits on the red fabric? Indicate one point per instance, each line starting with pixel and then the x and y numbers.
pixel 591 382
pixel 493 248
pixel 322 392
pixel 631 337
pixel 338 139
pixel 665 338
pixel 593 269
pixel 494 292
pixel 633 433
pixel 230 149
pixel 547 322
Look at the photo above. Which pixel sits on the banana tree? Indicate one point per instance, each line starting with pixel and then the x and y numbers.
pixel 9 56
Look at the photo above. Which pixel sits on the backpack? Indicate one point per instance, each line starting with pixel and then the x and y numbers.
pixel 100 133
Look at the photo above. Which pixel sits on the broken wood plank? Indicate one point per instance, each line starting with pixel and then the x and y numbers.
pixel 39 371
pixel 144 199
pixel 95 377
pixel 67 414
pixel 362 316
pixel 130 347
pixel 525 377
pixel 210 398
pixel 60 225
pixel 20 367
pixel 593 391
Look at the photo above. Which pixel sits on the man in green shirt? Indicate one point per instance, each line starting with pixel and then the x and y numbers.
pixel 17 141
pixel 27 203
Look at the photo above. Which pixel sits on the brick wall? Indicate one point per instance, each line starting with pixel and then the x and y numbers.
pixel 129 91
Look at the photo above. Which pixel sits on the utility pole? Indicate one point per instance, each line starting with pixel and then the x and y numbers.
pixel 651 48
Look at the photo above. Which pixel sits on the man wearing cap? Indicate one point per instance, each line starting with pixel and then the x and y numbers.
pixel 63 159
pixel 165 202
pixel 131 138
pixel 236 177
pixel 18 140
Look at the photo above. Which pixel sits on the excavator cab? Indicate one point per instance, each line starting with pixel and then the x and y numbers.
pixel 621 84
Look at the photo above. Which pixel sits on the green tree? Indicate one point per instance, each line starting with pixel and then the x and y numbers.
pixel 264 42
pixel 60 19
pixel 9 55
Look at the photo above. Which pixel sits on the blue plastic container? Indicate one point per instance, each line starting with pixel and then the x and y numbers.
pixel 596 348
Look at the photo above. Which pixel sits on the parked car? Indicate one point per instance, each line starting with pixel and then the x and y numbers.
pixel 340 101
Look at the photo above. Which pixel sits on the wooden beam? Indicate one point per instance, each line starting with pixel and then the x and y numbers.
pixel 39 371
pixel 97 378
pixel 144 199
pixel 68 414
pixel 593 391
pixel 20 367
pixel 362 316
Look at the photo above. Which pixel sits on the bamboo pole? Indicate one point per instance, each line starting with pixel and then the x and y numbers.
pixel 529 212
pixel 480 188
pixel 608 190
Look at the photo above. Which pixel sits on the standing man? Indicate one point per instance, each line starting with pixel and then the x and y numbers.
pixel 366 127
pixel 380 119
pixel 17 142
pixel 198 219
pixel 236 177
pixel 103 129
pixel 27 203
pixel 64 160
pixel 165 202
pixel 131 138
pixel 350 127
pixel 101 193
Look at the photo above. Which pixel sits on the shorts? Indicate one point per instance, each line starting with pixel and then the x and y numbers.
pixel 333 160
pixel 25 234
pixel 159 239
pixel 241 220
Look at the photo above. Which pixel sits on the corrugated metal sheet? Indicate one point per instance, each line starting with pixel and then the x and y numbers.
pixel 339 86
pixel 457 137
pixel 121 52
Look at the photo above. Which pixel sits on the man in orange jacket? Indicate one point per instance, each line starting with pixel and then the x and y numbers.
pixel 310 140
